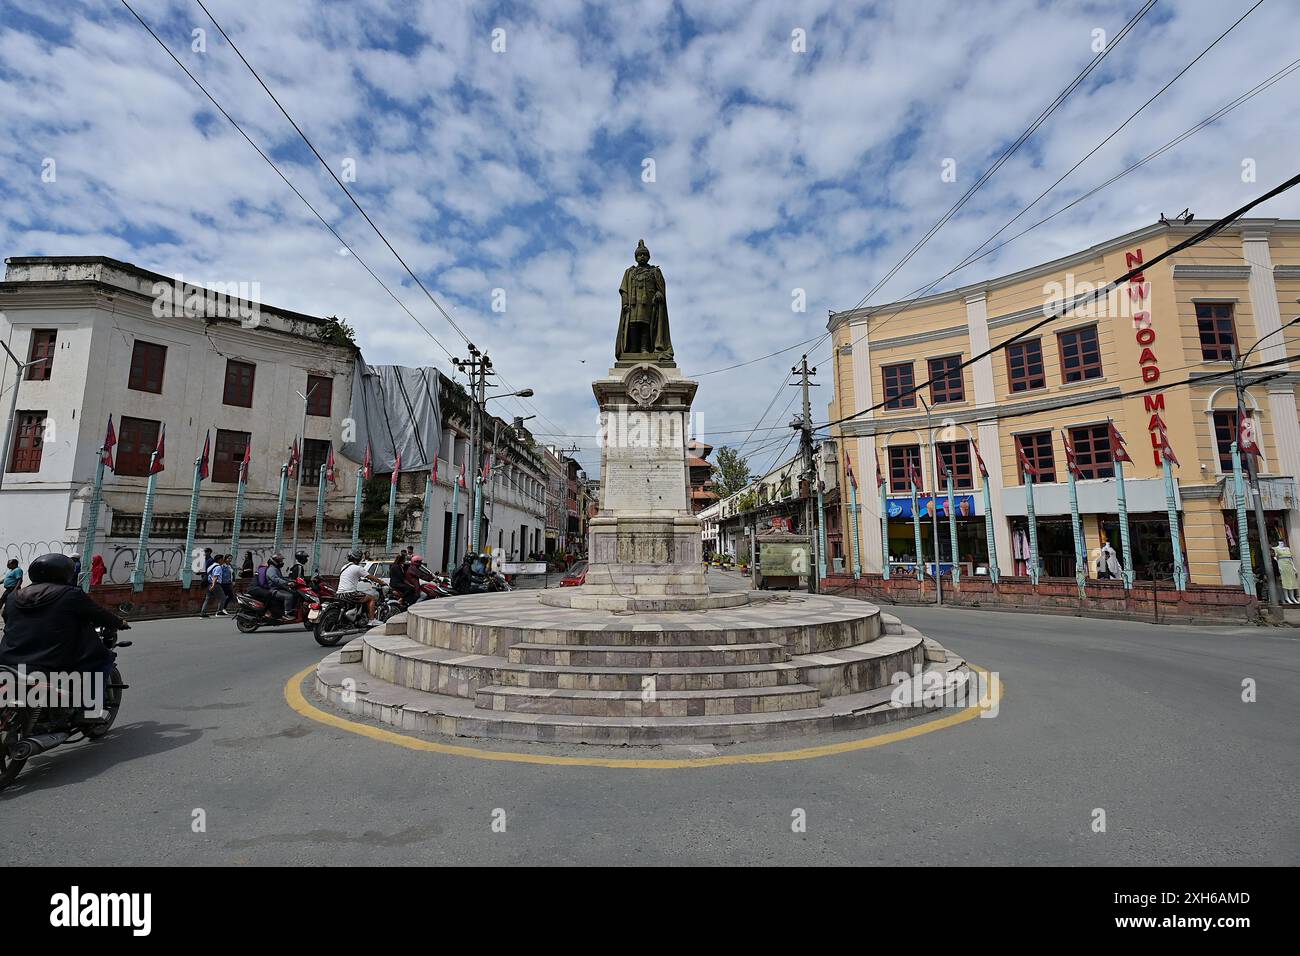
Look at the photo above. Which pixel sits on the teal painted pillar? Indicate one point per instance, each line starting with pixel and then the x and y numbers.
pixel 392 513
pixel 1076 526
pixel 1243 530
pixel 821 535
pixel 1175 537
pixel 187 566
pixel 477 527
pixel 239 517
pixel 916 529
pixel 146 520
pixel 1121 504
pixel 854 541
pixel 319 536
pixel 884 531
pixel 452 546
pixel 356 511
pixel 952 531
pixel 92 523
pixel 278 543
pixel 1033 527
pixel 428 516
pixel 994 573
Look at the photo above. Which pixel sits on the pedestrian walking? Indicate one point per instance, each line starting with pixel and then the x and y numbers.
pixel 247 570
pixel 13 581
pixel 97 571
pixel 226 581
pixel 213 591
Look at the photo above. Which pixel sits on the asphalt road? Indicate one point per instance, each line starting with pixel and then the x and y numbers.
pixel 1144 722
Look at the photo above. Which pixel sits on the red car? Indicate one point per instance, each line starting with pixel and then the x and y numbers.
pixel 576 576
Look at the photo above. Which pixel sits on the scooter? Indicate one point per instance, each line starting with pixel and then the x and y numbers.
pixel 44 717
pixel 254 612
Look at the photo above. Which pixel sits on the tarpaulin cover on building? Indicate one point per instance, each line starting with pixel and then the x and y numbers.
pixel 396 410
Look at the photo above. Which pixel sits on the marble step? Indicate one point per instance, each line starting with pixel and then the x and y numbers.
pixel 662 703
pixel 436 670
pixel 349 687
pixel 695 655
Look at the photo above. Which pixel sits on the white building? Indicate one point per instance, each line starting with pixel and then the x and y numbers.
pixel 115 341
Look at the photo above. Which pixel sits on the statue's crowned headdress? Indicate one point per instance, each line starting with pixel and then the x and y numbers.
pixel 640 248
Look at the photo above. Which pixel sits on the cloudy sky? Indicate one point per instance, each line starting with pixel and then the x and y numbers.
pixel 795 146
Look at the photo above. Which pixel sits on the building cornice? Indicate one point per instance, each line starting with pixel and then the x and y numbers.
pixel 1192 270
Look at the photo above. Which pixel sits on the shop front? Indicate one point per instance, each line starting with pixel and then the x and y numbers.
pixel 972 542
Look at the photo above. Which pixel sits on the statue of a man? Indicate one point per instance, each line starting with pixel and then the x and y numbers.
pixel 643 321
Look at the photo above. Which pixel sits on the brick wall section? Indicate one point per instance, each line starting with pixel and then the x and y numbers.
pixel 161 599
pixel 1200 603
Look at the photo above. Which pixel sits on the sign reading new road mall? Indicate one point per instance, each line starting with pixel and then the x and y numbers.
pixel 1139 293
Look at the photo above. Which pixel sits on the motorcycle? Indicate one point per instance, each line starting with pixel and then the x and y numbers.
pixel 254 612
pixel 26 731
pixel 475 575
pixel 335 618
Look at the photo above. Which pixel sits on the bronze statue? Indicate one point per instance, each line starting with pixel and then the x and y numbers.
pixel 643 321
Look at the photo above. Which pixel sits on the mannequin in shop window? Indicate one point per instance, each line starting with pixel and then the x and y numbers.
pixel 1286 572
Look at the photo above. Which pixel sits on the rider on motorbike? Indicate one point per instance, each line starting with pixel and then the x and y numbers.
pixel 350 579
pixel 51 624
pixel 281 586
pixel 399 581
pixel 299 568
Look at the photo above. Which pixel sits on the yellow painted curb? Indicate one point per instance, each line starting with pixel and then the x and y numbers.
pixel 294 697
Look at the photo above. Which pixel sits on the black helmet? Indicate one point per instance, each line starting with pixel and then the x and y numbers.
pixel 52 569
pixel 300 556
pixel 277 559
pixel 354 557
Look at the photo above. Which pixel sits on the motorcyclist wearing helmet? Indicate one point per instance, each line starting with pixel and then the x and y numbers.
pixel 50 625
pixel 281 587
pixel 350 583
pixel 299 569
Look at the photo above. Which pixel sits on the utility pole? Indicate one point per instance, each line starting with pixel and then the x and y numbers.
pixel 934 516
pixel 804 425
pixel 478 366
pixel 1261 526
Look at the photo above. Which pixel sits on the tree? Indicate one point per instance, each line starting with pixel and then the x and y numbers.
pixel 730 472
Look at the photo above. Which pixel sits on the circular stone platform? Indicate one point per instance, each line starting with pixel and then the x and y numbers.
pixel 514 667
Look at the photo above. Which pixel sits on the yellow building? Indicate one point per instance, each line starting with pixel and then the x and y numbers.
pixel 1071 378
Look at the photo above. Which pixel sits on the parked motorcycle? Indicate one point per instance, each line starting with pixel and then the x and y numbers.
pixel 254 612
pixel 26 731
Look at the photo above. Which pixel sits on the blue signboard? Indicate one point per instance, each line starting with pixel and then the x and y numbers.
pixel 902 507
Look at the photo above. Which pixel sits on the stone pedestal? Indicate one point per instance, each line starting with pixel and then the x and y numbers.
pixel 644 549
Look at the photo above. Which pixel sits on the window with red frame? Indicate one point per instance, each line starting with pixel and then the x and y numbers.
pixel 1092 451
pixel 946 380
pixel 42 352
pixel 1037 447
pixel 136 440
pixel 228 455
pixel 1025 371
pixel 1080 354
pixel 239 383
pixel 1218 330
pixel 898 379
pixel 320 394
pixel 147 364
pixel 900 456
pixel 29 438
pixel 956 455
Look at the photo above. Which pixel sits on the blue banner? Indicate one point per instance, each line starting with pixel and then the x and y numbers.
pixel 902 507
